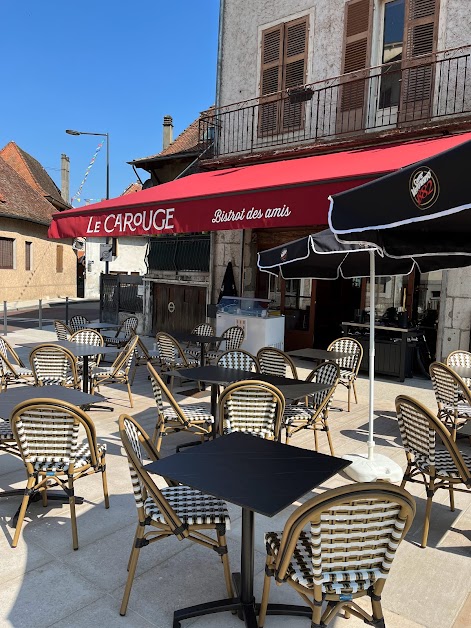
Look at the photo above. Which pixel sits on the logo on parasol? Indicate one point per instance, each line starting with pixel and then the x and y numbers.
pixel 424 187
pixel 284 255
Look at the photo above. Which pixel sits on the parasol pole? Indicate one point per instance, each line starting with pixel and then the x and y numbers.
pixel 371 442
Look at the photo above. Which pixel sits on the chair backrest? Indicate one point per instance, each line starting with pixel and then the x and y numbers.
pixel 7 351
pixel 51 431
pixel 134 439
pixel 128 326
pixel 253 407
pixel 238 359
pixel 89 337
pixel 273 361
pixel 63 331
pixel 53 365
pixel 419 430
pixel 354 533
pixel 325 373
pixel 459 358
pixel 162 392
pixel 204 329
pixel 169 348
pixel 353 348
pixel 124 359
pixel 78 322
pixel 449 388
pixel 233 338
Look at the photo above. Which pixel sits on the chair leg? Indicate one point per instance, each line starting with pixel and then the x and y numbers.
pixel 130 394
pixel 355 391
pixel 428 510
pixel 73 518
pixel 159 432
pixel 104 480
pixel 44 495
pixel 133 545
pixel 133 374
pixel 316 439
pixel 22 513
pixel 349 388
pixel 225 562
pixel 452 497
pixel 329 438
pixel 265 595
pixel 132 568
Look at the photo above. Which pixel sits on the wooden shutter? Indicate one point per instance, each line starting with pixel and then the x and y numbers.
pixel 420 38
pixel 6 252
pixel 294 70
pixel 59 258
pixel 28 246
pixel 271 80
pixel 356 57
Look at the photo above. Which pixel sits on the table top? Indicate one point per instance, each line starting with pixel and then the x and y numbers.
pixel 318 354
pixel 402 330
pixel 186 336
pixel 102 326
pixel 78 349
pixel 13 396
pixel 291 388
pixel 258 474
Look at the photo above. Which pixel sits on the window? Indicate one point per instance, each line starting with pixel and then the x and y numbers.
pixel 392 46
pixel 283 67
pixel 28 249
pixel 59 258
pixel 6 252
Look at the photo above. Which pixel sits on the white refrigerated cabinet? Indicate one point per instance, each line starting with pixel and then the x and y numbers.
pixel 259 332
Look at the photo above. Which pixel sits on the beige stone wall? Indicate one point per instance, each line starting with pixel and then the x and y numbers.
pixel 455 312
pixel 42 281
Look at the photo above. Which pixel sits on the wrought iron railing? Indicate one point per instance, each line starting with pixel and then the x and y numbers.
pixel 179 253
pixel 399 94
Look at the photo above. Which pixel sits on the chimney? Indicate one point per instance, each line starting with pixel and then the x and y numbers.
pixel 168 132
pixel 65 178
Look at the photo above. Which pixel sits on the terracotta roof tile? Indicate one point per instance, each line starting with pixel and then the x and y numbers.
pixel 20 200
pixel 133 187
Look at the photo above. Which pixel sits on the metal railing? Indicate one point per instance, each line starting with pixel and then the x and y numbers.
pixel 401 94
pixel 179 253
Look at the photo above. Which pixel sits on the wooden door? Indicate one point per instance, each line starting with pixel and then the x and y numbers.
pixel 298 299
pixel 178 307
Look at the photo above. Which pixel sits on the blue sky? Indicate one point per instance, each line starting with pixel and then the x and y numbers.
pixel 105 67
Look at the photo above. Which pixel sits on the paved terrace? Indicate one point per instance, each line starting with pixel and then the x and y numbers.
pixel 45 583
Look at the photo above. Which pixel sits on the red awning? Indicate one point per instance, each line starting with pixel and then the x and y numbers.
pixel 291 193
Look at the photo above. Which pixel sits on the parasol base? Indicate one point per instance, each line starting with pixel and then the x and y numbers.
pixel 379 467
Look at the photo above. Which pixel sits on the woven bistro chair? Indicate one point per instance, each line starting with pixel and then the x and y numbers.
pixel 118 372
pixel 459 358
pixel 63 331
pixel 78 322
pixel 175 510
pixel 54 365
pixel 193 418
pixel 338 547
pixel 350 365
pixel 253 407
pixel 273 361
pixel 172 355
pixel 47 432
pixel 88 337
pixel 143 356
pixel 12 369
pixel 315 415
pixel 436 467
pixel 452 395
pixel 238 359
pixel 124 333
pixel 232 338
pixel 194 351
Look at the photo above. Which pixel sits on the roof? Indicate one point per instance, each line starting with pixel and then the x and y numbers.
pixel 133 187
pixel 187 142
pixel 19 200
pixel 34 173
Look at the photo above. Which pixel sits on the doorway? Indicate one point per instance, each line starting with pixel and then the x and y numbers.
pixel 336 302
pixel 177 307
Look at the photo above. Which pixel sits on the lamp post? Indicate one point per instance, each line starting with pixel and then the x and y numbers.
pixel 72 132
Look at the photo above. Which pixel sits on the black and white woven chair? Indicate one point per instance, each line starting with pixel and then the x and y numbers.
pixel 238 359
pixel 350 365
pixel 253 407
pixel 433 459
pixel 338 547
pixel 233 337
pixel 49 435
pixel 88 337
pixel 144 356
pixel 172 355
pixel 51 364
pixel 273 361
pixel 12 369
pixel 452 395
pixel 171 418
pixel 194 351
pixel 174 511
pixel 314 416
pixel 124 333
pixel 78 322
pixel 118 372
pixel 63 331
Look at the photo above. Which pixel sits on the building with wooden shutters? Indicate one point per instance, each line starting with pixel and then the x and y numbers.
pixel 304 77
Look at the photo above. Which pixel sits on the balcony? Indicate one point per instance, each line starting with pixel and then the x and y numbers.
pixel 420 92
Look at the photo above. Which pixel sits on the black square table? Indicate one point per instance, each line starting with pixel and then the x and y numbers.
pixel 99 326
pixel 318 355
pixel 197 339
pixel 260 476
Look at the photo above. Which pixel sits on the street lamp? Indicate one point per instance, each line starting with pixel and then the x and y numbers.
pixel 72 132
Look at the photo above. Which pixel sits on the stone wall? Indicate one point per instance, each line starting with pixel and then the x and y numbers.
pixel 455 312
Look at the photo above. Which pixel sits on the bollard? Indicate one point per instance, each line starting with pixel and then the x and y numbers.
pixel 5 319
pixel 66 310
pixel 40 313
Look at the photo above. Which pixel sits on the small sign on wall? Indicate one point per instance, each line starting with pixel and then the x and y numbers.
pixel 106 252
pixel 140 290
